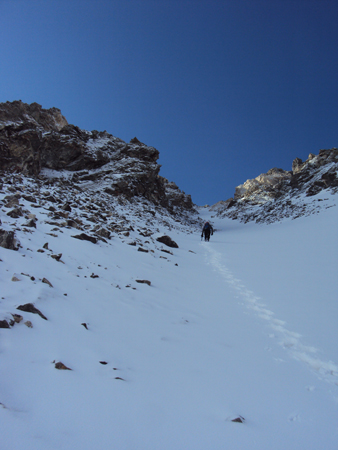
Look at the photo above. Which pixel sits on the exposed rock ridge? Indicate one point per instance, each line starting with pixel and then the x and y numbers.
pixel 279 194
pixel 18 112
pixel 264 186
pixel 40 143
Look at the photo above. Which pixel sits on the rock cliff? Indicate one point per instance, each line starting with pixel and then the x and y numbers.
pixel 40 143
pixel 280 194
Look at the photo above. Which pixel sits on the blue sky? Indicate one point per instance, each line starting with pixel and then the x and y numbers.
pixel 225 89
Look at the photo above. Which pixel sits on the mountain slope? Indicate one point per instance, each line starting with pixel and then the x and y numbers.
pixel 120 329
pixel 243 326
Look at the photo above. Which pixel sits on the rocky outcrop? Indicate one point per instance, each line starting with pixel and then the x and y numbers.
pixel 17 112
pixel 39 142
pixel 278 194
pixel 176 197
pixel 263 187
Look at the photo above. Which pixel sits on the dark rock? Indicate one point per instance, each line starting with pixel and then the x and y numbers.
pixel 239 419
pixel 67 207
pixel 7 240
pixel 72 223
pixel 4 324
pixel 144 282
pixel 103 233
pixel 231 203
pixel 15 213
pixel 50 198
pixel 29 198
pixel 11 201
pixel 166 240
pixel 57 257
pixel 85 237
pixel 29 307
pixel 166 251
pixel 135 141
pixel 140 249
pixel 61 366
pixel 31 223
pixel 44 280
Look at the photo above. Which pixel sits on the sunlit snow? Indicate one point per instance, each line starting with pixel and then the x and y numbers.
pixel 242 326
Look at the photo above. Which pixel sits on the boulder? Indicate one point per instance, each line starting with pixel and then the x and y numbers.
pixel 4 324
pixel 61 366
pixel 7 240
pixel 85 237
pixel 15 213
pixel 166 240
pixel 103 233
pixel 31 224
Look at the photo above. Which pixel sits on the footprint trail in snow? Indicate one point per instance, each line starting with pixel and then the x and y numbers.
pixel 290 340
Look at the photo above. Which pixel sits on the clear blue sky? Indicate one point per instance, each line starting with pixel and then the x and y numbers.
pixel 224 89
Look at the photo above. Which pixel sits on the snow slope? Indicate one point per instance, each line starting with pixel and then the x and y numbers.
pixel 243 326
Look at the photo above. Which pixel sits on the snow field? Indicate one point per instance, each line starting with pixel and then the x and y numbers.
pixel 243 325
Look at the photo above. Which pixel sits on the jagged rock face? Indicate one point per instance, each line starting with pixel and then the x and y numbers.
pixel 316 173
pixel 176 197
pixel 34 141
pixel 265 185
pixel 18 112
pixel 279 194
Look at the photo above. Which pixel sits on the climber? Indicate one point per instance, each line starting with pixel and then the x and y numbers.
pixel 207 229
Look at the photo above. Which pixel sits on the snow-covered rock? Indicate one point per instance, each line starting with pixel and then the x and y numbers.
pixel 280 194
pixel 39 142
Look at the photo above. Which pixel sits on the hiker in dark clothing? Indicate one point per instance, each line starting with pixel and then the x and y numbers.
pixel 207 229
